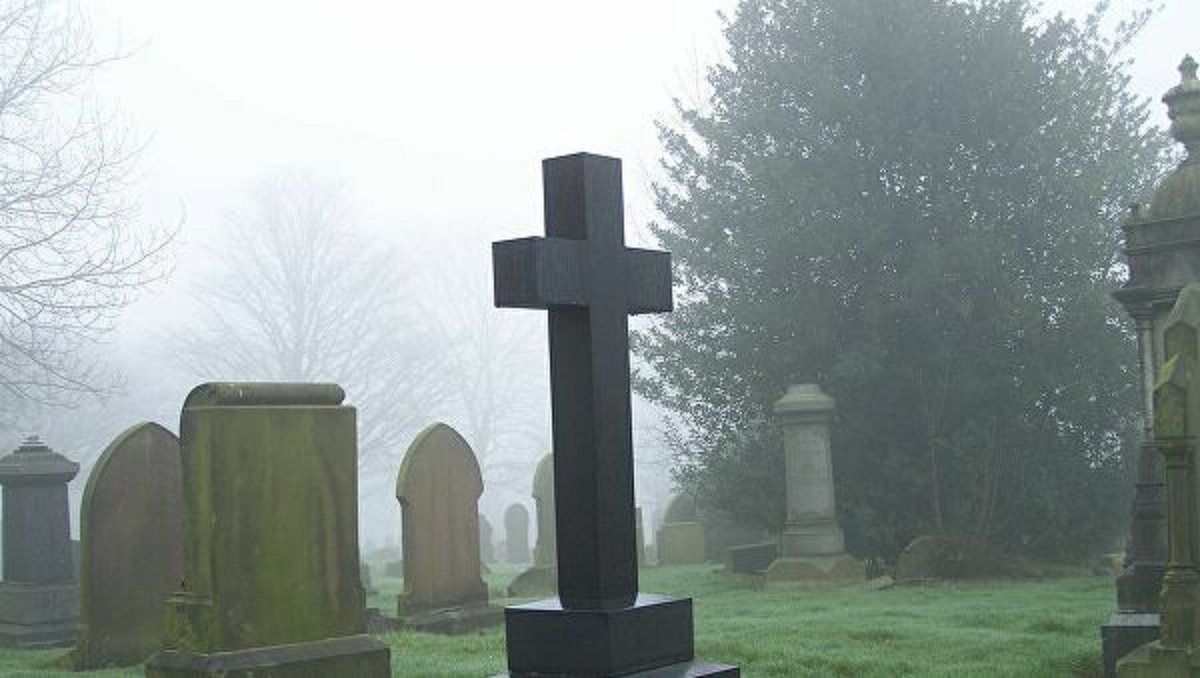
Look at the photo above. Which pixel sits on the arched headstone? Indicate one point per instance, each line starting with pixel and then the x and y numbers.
pixel 438 488
pixel 131 547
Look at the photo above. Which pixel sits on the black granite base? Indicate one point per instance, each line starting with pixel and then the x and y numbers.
pixel 655 633
pixel 1124 633
pixel 695 669
pixel 360 656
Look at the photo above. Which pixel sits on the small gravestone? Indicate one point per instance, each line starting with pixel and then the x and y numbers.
pixel 540 579
pixel 681 538
pixel 812 547
pixel 438 487
pixel 271 584
pixel 486 548
pixel 39 597
pixel 516 535
pixel 589 282
pixel 131 547
pixel 641 538
pixel 364 574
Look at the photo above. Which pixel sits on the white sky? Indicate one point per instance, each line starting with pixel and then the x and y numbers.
pixel 436 113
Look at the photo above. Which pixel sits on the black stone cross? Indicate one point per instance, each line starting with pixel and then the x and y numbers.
pixel 590 282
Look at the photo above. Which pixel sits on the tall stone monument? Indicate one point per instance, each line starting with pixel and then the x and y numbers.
pixel 1162 246
pixel 1176 432
pixel 39 597
pixel 271 584
pixel 811 547
pixel 131 547
pixel 582 273
pixel 516 535
pixel 438 488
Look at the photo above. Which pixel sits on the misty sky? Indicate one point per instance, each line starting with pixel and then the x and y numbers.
pixel 436 114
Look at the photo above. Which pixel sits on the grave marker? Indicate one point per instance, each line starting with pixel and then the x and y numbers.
pixel 131 547
pixel 589 283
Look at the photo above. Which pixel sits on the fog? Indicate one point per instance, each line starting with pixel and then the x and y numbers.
pixel 434 118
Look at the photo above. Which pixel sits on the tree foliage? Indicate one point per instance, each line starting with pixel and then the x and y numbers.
pixel 71 251
pixel 915 204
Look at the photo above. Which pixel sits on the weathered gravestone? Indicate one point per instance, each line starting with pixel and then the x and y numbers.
pixel 681 536
pixel 587 279
pixel 271 585
pixel 812 547
pixel 1176 431
pixel 131 547
pixel 516 534
pixel 39 597
pixel 541 578
pixel 438 487
pixel 487 552
pixel 1162 246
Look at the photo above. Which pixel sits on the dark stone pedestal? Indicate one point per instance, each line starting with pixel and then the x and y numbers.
pixel 38 615
pixel 1124 633
pixel 653 637
pixel 347 656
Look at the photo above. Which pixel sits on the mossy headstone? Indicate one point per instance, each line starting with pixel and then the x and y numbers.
pixel 131 550
pixel 271 583
pixel 438 488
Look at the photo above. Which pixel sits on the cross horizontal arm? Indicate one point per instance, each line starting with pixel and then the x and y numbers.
pixel 648 281
pixel 539 272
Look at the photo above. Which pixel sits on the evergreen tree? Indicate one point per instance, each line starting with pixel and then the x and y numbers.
pixel 914 203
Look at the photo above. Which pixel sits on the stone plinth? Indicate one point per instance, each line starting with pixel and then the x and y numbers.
pixel 271 583
pixel 131 547
pixel 39 597
pixel 811 546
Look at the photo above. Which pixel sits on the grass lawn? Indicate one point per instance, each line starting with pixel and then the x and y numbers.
pixel 1042 628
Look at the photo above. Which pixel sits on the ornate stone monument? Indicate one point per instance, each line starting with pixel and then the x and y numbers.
pixel 811 547
pixel 1176 432
pixel 39 597
pixel 438 488
pixel 271 584
pixel 582 273
pixel 1162 245
pixel 131 547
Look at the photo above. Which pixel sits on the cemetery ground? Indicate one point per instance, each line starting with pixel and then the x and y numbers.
pixel 1045 627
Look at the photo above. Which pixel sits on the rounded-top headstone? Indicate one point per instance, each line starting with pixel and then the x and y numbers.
pixel 682 509
pixel 34 461
pixel 516 534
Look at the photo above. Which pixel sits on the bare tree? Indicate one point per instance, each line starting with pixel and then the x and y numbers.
pixel 71 252
pixel 298 293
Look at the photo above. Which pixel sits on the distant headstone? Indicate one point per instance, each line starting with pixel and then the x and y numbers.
pixel 812 547
pixel 271 584
pixel 541 579
pixel 486 546
pixel 929 557
pixel 640 536
pixel 589 283
pixel 131 547
pixel 681 538
pixel 681 544
pixel 364 574
pixel 545 553
pixel 438 487
pixel 516 534
pixel 39 597
pixel 752 559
